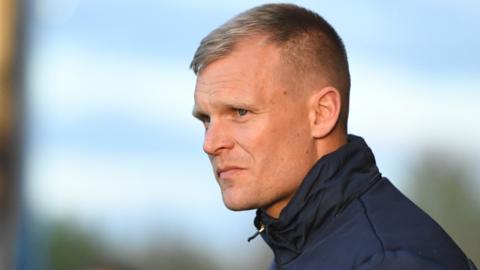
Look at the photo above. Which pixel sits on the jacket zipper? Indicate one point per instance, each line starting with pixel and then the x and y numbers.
pixel 259 231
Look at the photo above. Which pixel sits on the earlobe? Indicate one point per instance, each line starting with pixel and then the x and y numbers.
pixel 324 106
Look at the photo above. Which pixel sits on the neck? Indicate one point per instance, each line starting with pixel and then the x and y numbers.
pixel 331 143
pixel 275 210
pixel 324 146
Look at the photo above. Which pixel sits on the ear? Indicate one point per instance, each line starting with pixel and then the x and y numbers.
pixel 324 110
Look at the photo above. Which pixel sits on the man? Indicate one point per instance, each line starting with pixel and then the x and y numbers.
pixel 272 92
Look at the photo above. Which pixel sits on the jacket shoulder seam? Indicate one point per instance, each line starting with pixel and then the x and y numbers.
pixel 370 222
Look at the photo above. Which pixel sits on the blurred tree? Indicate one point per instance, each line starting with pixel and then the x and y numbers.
pixel 71 248
pixel 176 255
pixel 443 186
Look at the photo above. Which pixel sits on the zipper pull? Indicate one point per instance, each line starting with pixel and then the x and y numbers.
pixel 262 228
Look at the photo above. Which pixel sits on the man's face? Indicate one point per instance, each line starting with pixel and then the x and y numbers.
pixel 257 130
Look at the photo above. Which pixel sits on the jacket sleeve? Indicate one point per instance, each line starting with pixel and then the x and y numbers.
pixel 399 260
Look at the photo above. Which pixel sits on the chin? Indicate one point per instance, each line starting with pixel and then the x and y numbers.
pixel 238 204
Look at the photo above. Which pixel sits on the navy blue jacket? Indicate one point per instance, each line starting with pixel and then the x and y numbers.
pixel 345 215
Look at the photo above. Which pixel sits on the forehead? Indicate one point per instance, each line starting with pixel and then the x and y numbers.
pixel 252 66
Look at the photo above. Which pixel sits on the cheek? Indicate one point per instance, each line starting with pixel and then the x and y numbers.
pixel 256 143
pixel 268 143
pixel 273 145
pixel 290 148
pixel 253 138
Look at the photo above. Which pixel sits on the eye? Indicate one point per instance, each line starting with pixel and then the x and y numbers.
pixel 242 112
pixel 206 123
pixel 205 119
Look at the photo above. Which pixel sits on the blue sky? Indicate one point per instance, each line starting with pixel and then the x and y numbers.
pixel 408 32
pixel 112 143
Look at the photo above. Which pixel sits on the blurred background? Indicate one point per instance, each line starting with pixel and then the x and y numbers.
pixel 113 175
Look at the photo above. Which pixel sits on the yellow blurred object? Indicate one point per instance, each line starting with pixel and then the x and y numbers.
pixel 7 183
pixel 7 17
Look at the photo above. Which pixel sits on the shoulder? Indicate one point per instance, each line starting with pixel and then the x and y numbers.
pixel 399 223
pixel 410 239
pixel 405 259
pixel 399 260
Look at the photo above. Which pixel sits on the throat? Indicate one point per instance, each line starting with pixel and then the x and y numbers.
pixel 275 209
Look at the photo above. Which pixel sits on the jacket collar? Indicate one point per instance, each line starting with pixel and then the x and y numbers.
pixel 333 182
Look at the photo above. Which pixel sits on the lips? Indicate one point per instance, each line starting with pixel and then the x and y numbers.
pixel 227 171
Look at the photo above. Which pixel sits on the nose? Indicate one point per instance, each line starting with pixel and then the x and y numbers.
pixel 216 139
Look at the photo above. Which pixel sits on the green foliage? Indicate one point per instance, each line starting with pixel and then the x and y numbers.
pixel 70 248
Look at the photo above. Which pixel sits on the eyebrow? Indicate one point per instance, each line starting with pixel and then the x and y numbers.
pixel 200 115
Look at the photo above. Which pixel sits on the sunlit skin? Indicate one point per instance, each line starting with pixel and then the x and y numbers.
pixel 261 134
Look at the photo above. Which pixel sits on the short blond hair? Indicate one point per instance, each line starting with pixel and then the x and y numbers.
pixel 309 42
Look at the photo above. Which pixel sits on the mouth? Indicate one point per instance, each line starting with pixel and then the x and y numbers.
pixel 227 172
